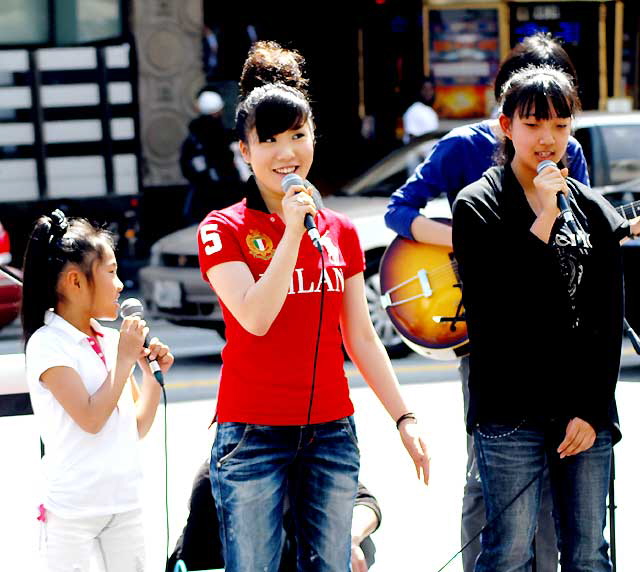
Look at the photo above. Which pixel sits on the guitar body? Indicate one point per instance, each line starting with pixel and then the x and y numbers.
pixel 422 295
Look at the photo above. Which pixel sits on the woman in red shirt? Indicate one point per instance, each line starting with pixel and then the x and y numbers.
pixel 285 425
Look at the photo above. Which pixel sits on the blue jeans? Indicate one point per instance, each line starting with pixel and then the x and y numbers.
pixel 473 511
pixel 255 469
pixel 508 458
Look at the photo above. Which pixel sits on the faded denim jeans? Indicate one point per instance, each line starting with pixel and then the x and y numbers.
pixel 473 511
pixel 254 468
pixel 508 458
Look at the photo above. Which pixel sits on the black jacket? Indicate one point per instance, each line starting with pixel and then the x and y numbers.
pixel 545 344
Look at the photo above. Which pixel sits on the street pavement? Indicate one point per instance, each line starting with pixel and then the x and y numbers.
pixel 420 527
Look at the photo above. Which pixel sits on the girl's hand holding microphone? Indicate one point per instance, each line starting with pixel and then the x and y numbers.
pixel 159 352
pixel 297 203
pixel 549 182
pixel 133 332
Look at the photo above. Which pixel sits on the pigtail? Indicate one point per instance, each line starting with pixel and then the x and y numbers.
pixel 40 272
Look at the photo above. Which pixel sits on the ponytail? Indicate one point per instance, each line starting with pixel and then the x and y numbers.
pixel 55 242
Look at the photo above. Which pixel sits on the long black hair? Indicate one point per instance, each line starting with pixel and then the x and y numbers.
pixel 55 242
pixel 273 96
pixel 539 91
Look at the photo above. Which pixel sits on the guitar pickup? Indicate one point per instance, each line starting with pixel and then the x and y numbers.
pixel 425 287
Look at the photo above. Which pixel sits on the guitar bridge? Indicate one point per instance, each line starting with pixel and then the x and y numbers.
pixel 425 287
pixel 452 319
pixel 459 317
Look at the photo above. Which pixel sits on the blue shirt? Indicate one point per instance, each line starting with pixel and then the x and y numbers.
pixel 457 160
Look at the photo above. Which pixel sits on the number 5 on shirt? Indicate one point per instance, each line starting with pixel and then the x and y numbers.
pixel 209 233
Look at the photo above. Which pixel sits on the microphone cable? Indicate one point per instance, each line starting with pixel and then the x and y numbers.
pixel 488 524
pixel 166 472
pixel 315 355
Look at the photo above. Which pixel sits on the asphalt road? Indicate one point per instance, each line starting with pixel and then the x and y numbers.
pixel 420 528
pixel 196 372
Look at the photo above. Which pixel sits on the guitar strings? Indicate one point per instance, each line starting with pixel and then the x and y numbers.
pixel 440 276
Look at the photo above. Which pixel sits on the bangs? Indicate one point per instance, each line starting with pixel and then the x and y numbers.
pixel 279 112
pixel 543 100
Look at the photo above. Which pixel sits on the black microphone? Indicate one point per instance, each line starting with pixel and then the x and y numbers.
pixel 133 307
pixel 289 181
pixel 563 205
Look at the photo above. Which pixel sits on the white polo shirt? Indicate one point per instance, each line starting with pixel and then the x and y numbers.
pixel 85 474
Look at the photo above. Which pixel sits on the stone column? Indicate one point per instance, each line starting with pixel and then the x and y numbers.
pixel 168 38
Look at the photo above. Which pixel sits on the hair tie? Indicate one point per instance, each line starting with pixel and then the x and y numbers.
pixel 59 225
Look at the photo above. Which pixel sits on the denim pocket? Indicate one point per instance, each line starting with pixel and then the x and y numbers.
pixel 229 440
pixel 349 427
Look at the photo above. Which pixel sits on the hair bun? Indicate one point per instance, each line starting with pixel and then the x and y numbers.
pixel 268 62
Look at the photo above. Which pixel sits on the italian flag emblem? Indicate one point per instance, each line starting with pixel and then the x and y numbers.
pixel 260 245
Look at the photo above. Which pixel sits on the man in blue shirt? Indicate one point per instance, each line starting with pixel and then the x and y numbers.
pixel 458 159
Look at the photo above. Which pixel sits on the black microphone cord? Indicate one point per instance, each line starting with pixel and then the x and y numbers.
pixel 315 355
pixel 488 524
pixel 166 471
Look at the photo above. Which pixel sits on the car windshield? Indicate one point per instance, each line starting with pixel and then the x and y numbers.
pixel 622 143
pixel 392 171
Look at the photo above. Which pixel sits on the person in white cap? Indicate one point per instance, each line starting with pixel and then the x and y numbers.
pixel 207 161
pixel 210 103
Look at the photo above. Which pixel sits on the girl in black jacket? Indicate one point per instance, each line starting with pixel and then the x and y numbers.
pixel 543 304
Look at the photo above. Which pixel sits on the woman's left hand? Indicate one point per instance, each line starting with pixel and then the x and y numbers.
pixel 159 352
pixel 416 447
pixel 579 437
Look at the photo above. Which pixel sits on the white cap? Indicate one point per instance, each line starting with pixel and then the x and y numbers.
pixel 210 102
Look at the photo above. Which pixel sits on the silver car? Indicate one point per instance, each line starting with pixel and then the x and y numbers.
pixel 174 289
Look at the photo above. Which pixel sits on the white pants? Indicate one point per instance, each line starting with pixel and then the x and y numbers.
pixel 117 538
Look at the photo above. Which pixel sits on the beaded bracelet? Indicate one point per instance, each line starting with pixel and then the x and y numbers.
pixel 403 417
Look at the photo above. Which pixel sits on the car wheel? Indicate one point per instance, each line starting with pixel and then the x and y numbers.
pixel 388 335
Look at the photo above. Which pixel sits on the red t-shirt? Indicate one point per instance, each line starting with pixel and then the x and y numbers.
pixel 267 379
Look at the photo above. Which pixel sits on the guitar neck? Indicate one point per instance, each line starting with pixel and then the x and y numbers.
pixel 630 211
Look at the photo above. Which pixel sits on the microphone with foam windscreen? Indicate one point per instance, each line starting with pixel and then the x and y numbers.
pixel 563 205
pixel 289 181
pixel 133 307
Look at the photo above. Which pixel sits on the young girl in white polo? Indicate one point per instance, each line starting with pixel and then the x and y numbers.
pixel 90 411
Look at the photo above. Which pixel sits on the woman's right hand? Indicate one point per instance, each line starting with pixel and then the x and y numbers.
pixel 549 182
pixel 415 445
pixel 296 203
pixel 133 332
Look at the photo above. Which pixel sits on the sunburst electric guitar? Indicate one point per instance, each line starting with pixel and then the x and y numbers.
pixel 422 294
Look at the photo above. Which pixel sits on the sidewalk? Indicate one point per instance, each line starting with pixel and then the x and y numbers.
pixel 420 527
